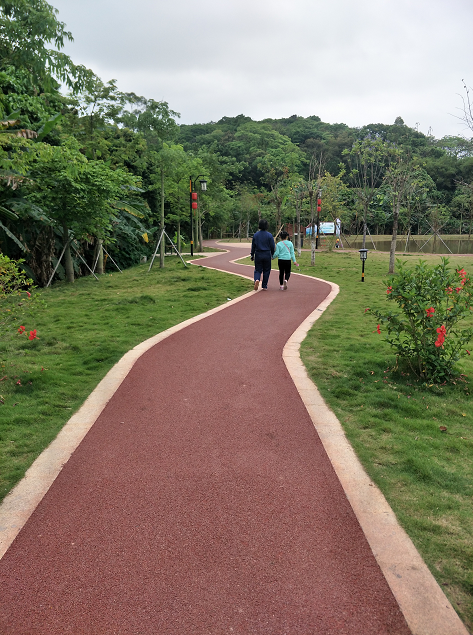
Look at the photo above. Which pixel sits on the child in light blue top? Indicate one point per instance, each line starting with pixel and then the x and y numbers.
pixel 285 254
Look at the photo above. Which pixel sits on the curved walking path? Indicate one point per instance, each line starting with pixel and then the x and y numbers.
pixel 200 501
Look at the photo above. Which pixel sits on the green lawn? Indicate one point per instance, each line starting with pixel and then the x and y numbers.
pixel 393 421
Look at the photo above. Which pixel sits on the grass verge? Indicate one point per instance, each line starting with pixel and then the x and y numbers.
pixel 83 331
pixel 393 421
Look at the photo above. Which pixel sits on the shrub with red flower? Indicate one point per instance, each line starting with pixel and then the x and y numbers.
pixel 32 335
pixel 21 330
pixel 431 301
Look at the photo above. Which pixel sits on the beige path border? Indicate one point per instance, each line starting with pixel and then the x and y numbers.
pixel 423 603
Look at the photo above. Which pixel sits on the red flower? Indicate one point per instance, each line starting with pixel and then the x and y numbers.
pixel 389 290
pixel 21 329
pixel 378 330
pixel 430 311
pixel 32 335
pixel 28 294
pixel 442 333
pixel 458 289
pixel 449 290
pixel 461 273
pixel 468 352
pixel 367 309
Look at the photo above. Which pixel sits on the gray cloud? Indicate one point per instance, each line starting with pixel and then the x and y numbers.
pixel 352 62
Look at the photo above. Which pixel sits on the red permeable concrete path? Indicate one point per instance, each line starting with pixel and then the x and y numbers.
pixel 202 500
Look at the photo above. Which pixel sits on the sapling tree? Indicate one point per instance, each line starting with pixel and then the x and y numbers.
pixel 367 160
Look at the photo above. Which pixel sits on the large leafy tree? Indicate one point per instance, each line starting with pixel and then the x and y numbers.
pixel 27 27
pixel 79 196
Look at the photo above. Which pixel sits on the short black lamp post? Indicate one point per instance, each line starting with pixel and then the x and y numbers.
pixel 194 206
pixel 363 256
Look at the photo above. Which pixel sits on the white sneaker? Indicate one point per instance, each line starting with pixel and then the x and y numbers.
pixel 281 288
pixel 285 285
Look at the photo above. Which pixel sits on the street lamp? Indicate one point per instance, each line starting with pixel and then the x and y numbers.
pixel 194 205
pixel 363 256
pixel 319 209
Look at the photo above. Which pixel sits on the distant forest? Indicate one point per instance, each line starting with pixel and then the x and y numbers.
pixel 98 170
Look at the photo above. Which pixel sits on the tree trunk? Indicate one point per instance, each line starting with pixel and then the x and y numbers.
pixel 364 228
pixel 99 253
pixel 299 246
pixel 68 265
pixel 392 253
pixel 162 246
pixel 179 235
pixel 201 248
pixel 312 223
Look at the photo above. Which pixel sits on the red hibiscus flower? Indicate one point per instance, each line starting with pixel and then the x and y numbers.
pixel 32 335
pixel 430 311
pixel 21 329
pixel 389 290
pixel 442 333
pixel 378 330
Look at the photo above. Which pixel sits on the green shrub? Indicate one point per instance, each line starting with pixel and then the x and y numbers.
pixel 16 296
pixel 425 333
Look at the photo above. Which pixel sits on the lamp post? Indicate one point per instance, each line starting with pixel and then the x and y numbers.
pixel 194 206
pixel 363 256
pixel 319 209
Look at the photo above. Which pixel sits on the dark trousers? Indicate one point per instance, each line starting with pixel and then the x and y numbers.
pixel 262 266
pixel 284 270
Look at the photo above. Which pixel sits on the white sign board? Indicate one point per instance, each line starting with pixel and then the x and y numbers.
pixel 325 228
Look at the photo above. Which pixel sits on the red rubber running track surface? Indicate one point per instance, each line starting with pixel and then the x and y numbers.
pixel 201 501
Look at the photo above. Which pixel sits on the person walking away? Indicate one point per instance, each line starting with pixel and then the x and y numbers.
pixel 262 250
pixel 285 254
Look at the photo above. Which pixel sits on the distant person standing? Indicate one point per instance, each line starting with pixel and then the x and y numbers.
pixel 262 249
pixel 285 254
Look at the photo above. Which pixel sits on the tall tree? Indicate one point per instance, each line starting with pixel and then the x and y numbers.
pixel 156 121
pixel 367 159
pixel 26 28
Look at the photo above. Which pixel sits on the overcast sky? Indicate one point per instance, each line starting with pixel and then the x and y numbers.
pixel 349 61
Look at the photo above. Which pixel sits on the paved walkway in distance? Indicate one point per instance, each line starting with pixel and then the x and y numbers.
pixel 202 501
